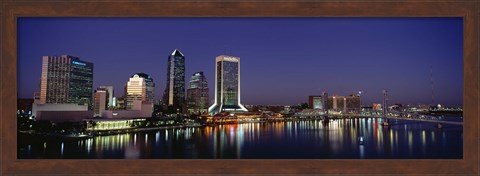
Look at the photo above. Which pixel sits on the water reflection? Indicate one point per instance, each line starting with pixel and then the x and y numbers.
pixel 282 140
pixel 61 149
pixel 362 152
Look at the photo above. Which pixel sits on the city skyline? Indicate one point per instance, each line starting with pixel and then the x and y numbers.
pixel 341 55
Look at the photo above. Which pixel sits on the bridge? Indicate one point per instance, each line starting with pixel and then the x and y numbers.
pixel 384 114
pixel 420 117
pixel 390 115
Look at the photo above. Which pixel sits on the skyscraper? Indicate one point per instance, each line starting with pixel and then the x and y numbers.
pixel 66 79
pixel 197 94
pixel 139 87
pixel 174 95
pixel 227 85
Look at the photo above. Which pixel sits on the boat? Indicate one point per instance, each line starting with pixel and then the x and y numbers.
pixel 360 140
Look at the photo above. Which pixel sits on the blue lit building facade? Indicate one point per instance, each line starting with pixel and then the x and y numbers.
pixel 227 86
pixel 66 80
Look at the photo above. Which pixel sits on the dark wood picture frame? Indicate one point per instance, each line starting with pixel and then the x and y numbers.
pixel 11 10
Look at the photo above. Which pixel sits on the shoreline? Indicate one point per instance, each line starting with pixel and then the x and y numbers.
pixel 91 134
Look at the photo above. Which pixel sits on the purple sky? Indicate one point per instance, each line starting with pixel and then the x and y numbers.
pixel 283 60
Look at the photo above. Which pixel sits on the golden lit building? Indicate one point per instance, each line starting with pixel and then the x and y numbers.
pixel 139 87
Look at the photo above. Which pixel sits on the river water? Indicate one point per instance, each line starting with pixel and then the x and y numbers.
pixel 310 139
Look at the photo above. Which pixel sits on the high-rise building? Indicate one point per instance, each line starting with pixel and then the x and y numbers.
pixel 110 101
pixel 66 79
pixel 100 101
pixel 139 87
pixel 174 95
pixel 197 94
pixel 227 85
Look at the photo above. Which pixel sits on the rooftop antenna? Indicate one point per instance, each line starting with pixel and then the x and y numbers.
pixel 432 84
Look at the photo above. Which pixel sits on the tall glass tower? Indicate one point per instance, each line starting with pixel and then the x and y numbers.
pixel 227 85
pixel 174 95
pixel 66 79
pixel 197 94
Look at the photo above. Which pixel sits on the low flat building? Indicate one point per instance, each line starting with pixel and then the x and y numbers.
pixel 64 116
pixel 145 108
pixel 140 109
pixel 100 124
pixel 60 112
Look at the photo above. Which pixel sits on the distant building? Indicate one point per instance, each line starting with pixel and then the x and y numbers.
pixel 110 98
pixel 100 101
pixel 345 104
pixel 174 94
pixel 120 101
pixel 286 110
pixel 267 108
pixel 140 109
pixel 227 85
pixel 60 112
pixel 66 79
pixel 145 108
pixel 197 94
pixel 315 102
pixel 139 87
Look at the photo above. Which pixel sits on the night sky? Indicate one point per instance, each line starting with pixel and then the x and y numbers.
pixel 283 60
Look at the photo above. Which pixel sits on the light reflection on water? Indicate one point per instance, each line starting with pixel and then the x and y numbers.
pixel 293 139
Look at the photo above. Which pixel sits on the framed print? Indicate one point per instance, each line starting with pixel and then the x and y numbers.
pixel 200 87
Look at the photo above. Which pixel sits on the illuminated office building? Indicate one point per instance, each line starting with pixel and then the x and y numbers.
pixel 174 94
pixel 197 94
pixel 139 87
pixel 66 80
pixel 227 85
